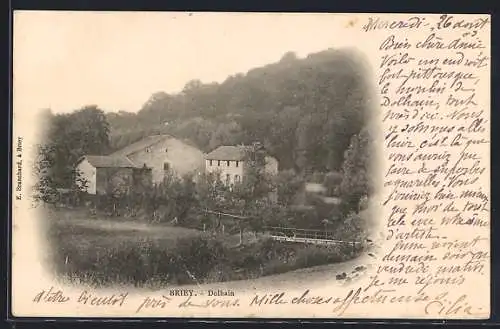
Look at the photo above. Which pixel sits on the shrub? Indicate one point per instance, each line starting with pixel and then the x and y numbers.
pixel 100 257
pixel 353 228
pixel 317 177
pixel 313 255
pixel 199 255
pixel 332 183
pixel 288 184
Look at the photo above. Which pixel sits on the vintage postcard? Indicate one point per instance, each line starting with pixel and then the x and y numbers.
pixel 251 165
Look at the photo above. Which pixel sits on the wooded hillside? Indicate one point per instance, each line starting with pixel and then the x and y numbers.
pixel 304 111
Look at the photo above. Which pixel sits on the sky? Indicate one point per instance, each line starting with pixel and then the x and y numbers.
pixel 65 60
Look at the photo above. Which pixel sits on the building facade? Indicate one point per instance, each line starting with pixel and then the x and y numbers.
pixel 229 162
pixel 110 175
pixel 147 161
pixel 164 154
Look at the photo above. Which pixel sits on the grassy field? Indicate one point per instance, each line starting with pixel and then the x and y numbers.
pixel 106 232
pixel 102 251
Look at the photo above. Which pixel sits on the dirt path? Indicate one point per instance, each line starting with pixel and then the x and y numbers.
pixel 311 277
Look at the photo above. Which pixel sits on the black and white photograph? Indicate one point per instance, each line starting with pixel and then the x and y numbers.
pixel 261 173
pixel 249 165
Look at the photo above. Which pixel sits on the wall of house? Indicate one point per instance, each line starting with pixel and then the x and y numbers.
pixel 89 173
pixel 181 157
pixel 225 168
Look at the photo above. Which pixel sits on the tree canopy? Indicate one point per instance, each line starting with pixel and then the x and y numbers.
pixel 70 136
pixel 310 114
pixel 356 182
pixel 304 111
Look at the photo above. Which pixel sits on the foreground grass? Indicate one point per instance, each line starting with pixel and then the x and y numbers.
pixel 101 252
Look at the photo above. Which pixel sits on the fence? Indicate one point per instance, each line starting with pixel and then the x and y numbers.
pixel 298 235
pixel 306 236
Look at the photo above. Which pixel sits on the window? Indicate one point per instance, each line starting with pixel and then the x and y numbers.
pixel 228 164
pixel 166 166
pixel 166 150
pixel 236 178
pixel 228 178
pixel 210 162
pixel 218 163
pixel 237 163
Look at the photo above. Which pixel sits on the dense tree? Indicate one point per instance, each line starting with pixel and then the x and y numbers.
pixel 356 182
pixel 288 184
pixel 45 187
pixel 226 134
pixel 308 113
pixel 289 57
pixel 304 111
pixel 70 136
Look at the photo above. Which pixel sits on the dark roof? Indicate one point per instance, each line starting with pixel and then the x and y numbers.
pixel 233 153
pixel 108 161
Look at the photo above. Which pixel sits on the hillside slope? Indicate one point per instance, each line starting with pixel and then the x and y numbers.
pixel 303 110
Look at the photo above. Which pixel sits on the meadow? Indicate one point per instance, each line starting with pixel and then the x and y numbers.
pixel 103 251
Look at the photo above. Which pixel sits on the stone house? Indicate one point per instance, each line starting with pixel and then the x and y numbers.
pixel 163 153
pixel 144 162
pixel 110 174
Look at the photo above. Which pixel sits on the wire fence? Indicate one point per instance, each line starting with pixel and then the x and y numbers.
pixel 306 236
pixel 289 234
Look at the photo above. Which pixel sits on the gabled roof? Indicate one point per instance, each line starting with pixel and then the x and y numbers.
pixel 147 142
pixel 139 145
pixel 232 153
pixel 107 161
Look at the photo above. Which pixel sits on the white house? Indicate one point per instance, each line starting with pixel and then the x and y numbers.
pixel 229 161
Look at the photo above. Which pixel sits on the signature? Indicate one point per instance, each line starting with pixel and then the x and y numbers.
pixel 443 305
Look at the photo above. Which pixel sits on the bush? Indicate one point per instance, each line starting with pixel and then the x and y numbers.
pixel 102 258
pixel 332 183
pixel 353 228
pixel 199 255
pixel 317 177
pixel 94 256
pixel 319 255
pixel 288 184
